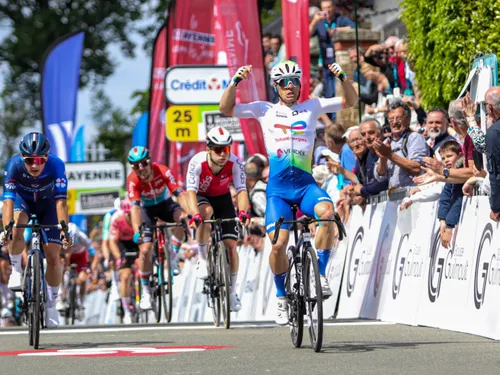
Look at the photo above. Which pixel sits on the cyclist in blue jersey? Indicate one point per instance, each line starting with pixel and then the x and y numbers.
pixel 289 129
pixel 35 183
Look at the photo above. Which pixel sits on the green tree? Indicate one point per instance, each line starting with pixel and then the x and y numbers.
pixel 115 126
pixel 444 37
pixel 36 24
pixel 142 104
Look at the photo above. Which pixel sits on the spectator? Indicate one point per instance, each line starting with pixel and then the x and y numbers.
pixel 336 142
pixel 492 99
pixel 278 50
pixel 266 43
pixel 368 91
pixel 370 130
pixel 256 189
pixel 435 170
pixel 406 76
pixel 450 204
pixel 402 159
pixel 384 57
pixel 474 131
pixel 357 145
pixel 437 129
pixel 324 25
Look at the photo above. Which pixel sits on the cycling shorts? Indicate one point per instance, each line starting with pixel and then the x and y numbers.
pixel 128 247
pixel 282 194
pixel 45 211
pixel 164 211
pixel 81 260
pixel 223 209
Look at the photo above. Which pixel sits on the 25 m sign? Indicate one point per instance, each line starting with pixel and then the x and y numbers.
pixel 182 123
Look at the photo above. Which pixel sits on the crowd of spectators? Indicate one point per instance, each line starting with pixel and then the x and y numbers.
pixel 437 154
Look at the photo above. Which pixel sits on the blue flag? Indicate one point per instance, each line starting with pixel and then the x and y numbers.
pixel 60 79
pixel 78 145
pixel 140 134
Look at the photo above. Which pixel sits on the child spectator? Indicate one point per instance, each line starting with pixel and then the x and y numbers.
pixel 450 204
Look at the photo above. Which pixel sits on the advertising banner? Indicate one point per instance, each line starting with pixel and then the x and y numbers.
pixel 60 80
pixel 157 105
pixel 239 28
pixel 296 33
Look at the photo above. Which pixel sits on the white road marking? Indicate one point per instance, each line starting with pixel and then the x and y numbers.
pixel 175 328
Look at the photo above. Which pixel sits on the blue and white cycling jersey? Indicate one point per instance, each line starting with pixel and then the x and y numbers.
pixel 289 134
pixel 37 195
pixel 51 184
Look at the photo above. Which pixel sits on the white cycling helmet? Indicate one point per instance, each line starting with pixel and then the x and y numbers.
pixel 286 69
pixel 219 136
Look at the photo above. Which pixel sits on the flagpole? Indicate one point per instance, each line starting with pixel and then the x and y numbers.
pixel 357 58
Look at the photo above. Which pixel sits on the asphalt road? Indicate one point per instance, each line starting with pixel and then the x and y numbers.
pixel 350 347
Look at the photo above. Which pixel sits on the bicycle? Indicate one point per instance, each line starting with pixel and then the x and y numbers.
pixel 303 285
pixel 161 279
pixel 33 282
pixel 218 283
pixel 70 311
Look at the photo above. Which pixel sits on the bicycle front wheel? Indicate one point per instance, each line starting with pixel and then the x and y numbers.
pixel 212 285
pixel 35 298
pixel 295 303
pixel 314 298
pixel 72 300
pixel 168 287
pixel 224 285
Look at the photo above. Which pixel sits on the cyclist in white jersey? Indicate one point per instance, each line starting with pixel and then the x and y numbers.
pixel 289 131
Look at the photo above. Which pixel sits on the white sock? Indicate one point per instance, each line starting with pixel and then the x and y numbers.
pixel 17 262
pixel 52 295
pixel 202 251
pixel 5 291
pixel 126 304
pixel 234 277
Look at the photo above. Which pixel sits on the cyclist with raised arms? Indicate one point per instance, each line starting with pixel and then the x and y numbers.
pixel 209 175
pixel 35 183
pixel 289 129
pixel 150 188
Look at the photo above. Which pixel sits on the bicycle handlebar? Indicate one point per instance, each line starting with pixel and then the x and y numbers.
pixel 306 221
pixel 183 223
pixel 213 221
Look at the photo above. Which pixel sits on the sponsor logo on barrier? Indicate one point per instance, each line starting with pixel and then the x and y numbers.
pixel 453 266
pixel 381 261
pixel 353 270
pixel 487 266
pixel 407 264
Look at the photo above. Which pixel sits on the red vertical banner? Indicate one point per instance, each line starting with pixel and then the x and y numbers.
pixel 237 23
pixel 296 34
pixel 191 41
pixel 157 102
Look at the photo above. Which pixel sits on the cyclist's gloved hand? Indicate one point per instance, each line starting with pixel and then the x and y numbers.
pixel 195 220
pixel 337 71
pixel 137 236
pixel 244 217
pixel 241 74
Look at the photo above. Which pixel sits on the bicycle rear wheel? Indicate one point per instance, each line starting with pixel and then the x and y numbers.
pixel 35 298
pixel 155 292
pixel 224 285
pixel 169 280
pixel 295 303
pixel 212 285
pixel 72 299
pixel 313 296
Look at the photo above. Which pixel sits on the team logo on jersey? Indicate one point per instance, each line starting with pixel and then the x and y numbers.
pixel 296 128
pixel 61 182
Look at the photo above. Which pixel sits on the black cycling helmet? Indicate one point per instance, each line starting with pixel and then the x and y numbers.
pixel 34 144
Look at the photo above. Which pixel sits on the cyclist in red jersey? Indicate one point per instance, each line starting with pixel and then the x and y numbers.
pixel 150 187
pixel 209 175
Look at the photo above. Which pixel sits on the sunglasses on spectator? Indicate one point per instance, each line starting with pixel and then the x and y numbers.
pixel 40 160
pixel 284 82
pixel 142 164
pixel 221 149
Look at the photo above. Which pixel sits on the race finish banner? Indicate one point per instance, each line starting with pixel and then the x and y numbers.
pixel 60 80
